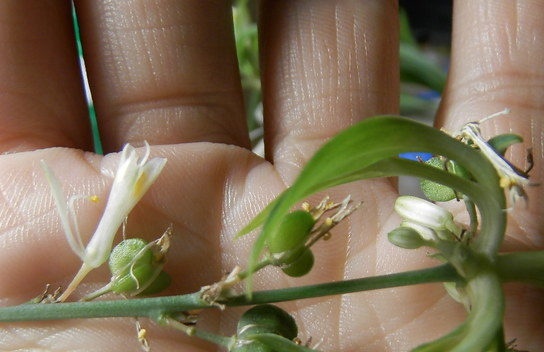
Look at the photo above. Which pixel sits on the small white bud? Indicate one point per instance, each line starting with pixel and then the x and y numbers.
pixel 421 212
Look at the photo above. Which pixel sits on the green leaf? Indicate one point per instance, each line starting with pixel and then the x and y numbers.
pixel 483 323
pixel 406 35
pixel 501 142
pixel 416 68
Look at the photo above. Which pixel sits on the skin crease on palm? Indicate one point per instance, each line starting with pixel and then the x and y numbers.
pixel 165 72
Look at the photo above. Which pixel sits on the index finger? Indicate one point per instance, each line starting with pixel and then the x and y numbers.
pixel 163 71
pixel 41 97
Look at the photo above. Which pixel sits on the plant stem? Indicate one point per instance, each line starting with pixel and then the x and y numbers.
pixel 155 307
pixel 141 307
pixel 440 273
pixel 520 266
pixel 193 331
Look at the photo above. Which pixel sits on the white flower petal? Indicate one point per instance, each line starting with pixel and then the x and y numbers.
pixel 508 176
pixel 425 232
pixel 131 182
pixel 422 212
pixel 425 213
pixel 64 211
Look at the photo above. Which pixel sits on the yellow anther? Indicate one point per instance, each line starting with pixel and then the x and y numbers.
pixel 505 182
pixel 94 198
pixel 142 334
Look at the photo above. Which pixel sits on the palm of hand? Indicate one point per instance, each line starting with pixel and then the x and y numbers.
pixel 208 191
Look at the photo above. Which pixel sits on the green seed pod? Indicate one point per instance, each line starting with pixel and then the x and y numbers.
pixel 160 283
pixel 435 191
pixel 140 277
pixel 134 269
pixel 406 237
pixel 301 265
pixel 456 169
pixel 254 346
pixel 267 318
pixel 293 232
pixel 122 256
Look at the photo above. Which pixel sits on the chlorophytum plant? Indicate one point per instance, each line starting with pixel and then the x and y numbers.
pixel 465 167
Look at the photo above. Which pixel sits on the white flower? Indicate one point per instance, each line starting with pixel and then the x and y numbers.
pixel 424 213
pixel 133 178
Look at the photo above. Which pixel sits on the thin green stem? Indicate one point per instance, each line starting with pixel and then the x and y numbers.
pixel 473 216
pixel 442 273
pixel 521 266
pixel 262 264
pixel 484 321
pixel 219 340
pixel 525 267
pixel 141 307
pixel 155 307
pixel 100 292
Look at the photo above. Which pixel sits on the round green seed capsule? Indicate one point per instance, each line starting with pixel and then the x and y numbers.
pixel 267 318
pixel 133 280
pixel 160 283
pixel 293 232
pixel 134 269
pixel 456 169
pixel 301 265
pixel 122 256
pixel 254 346
pixel 435 191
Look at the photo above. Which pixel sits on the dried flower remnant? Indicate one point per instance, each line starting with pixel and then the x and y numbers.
pixel 509 177
pixel 132 179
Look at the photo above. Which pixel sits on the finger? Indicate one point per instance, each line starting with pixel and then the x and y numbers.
pixel 496 63
pixel 41 97
pixel 163 71
pixel 326 64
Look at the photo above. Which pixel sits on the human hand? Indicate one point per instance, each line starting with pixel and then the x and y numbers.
pixel 165 72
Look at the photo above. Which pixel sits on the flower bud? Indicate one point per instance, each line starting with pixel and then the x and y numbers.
pixel 425 213
pixel 425 232
pixel 406 237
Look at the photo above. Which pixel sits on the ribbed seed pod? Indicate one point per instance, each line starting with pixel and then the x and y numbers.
pixel 267 318
pixel 292 233
pixel 301 265
pixel 134 269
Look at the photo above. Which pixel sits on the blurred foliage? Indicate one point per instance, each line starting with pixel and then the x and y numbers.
pixel 247 48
